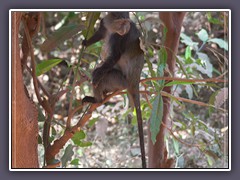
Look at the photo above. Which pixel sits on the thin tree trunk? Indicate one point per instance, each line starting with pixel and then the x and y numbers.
pixel 24 113
pixel 157 152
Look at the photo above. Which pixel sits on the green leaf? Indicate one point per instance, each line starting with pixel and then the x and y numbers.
pixel 206 67
pixel 213 20
pixel 150 52
pixel 80 152
pixel 152 72
pixel 188 61
pixel 173 98
pixel 51 139
pixel 212 101
pixel 134 118
pixel 46 66
pixel 210 160
pixel 203 35
pixel 92 122
pixel 162 60
pixel 193 129
pixel 59 36
pixel 78 136
pixel 162 63
pixel 189 70
pixel 188 53
pixel 202 125
pixel 85 144
pixel 67 155
pixel 92 17
pixel 94 49
pixel 75 162
pixel 188 41
pixel 180 61
pixel 176 146
pixel 178 83
pixel 69 17
pixel 165 30
pixel 156 117
pixel 39 139
pixel 150 68
pixel 54 132
pixel 87 73
pixel 222 44
pixel 183 124
pixel 213 152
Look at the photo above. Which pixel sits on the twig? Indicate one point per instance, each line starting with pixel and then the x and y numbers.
pixel 68 125
pixel 32 61
pixel 163 93
pixel 190 101
pixel 39 83
pixel 215 51
pixel 140 25
pixel 149 104
pixel 184 79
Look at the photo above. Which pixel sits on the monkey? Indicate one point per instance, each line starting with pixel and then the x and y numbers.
pixel 123 63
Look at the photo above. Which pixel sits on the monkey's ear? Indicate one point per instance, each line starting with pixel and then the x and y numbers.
pixel 121 26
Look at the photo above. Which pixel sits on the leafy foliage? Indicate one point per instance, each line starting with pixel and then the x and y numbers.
pixel 60 36
pixel 197 136
pixel 46 66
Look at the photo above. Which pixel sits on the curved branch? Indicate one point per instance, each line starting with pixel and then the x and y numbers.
pixel 29 43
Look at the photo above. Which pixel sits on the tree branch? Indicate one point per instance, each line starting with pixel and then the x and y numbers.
pixel 184 79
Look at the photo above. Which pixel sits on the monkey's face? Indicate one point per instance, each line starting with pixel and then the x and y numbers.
pixel 118 22
pixel 121 26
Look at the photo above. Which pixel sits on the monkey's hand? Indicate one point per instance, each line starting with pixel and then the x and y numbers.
pixel 97 76
pixel 84 42
pixel 88 99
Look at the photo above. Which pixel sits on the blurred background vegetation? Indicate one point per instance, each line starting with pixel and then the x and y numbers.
pixel 198 137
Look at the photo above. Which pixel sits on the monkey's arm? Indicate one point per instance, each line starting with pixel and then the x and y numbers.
pixel 98 35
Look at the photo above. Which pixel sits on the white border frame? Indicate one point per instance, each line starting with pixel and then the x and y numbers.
pixel 104 10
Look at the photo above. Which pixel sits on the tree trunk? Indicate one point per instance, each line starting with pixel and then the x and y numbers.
pixel 157 152
pixel 24 113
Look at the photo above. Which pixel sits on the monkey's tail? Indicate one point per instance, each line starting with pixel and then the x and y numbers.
pixel 135 97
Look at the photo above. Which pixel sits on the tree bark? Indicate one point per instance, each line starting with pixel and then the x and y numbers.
pixel 24 113
pixel 157 152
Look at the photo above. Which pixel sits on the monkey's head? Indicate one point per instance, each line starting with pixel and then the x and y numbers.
pixel 119 15
pixel 118 22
